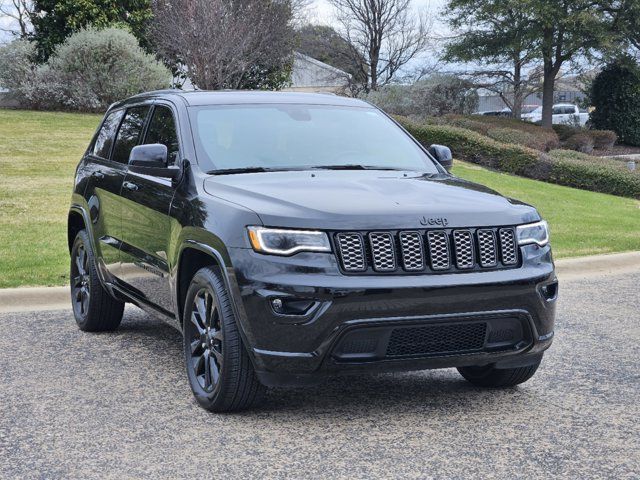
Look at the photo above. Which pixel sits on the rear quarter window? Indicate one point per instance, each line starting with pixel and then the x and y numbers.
pixel 107 133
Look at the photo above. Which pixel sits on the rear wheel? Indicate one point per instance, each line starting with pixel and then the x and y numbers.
pixel 490 376
pixel 220 372
pixel 94 308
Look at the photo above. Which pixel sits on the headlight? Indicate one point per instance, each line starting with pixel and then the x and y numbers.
pixel 537 233
pixel 287 242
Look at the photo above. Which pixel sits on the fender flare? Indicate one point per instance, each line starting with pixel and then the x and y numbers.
pixel 230 283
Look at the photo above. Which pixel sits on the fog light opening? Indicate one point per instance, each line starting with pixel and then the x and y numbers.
pixel 549 291
pixel 290 306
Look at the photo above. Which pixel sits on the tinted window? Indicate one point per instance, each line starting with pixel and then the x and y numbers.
pixel 129 133
pixel 302 136
pixel 104 140
pixel 162 129
pixel 558 110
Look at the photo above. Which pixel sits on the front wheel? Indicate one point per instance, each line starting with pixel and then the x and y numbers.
pixel 220 372
pixel 490 376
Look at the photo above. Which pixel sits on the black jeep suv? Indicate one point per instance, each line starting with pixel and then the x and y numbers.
pixel 294 236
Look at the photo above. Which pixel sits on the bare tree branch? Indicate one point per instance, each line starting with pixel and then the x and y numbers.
pixel 225 43
pixel 384 36
pixel 20 12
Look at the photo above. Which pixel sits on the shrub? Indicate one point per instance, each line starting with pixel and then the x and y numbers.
pixel 603 139
pixel 507 130
pixel 518 137
pixel 17 68
pixel 89 71
pixel 565 131
pixel 434 96
pixel 597 174
pixel 470 122
pixel 580 142
pixel 615 94
pixel 563 167
pixel 94 68
pixel 474 147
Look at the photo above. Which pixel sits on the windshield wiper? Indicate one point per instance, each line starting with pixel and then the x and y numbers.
pixel 351 167
pixel 231 171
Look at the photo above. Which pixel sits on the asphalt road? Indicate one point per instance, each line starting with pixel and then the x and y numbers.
pixel 77 405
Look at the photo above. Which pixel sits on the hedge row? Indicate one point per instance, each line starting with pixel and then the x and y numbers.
pixel 563 167
pixel 505 130
pixel 570 136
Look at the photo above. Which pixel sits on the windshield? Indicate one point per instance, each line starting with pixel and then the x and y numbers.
pixel 269 136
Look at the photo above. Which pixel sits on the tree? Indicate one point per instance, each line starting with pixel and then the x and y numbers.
pixel 55 20
pixel 626 15
pixel 387 34
pixel 324 43
pixel 566 29
pixel 20 12
pixel 495 33
pixel 615 94
pixel 226 43
pixel 553 32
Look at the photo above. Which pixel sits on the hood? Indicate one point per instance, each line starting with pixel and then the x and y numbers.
pixel 369 199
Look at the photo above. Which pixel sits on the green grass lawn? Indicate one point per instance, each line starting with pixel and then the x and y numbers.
pixel 39 152
pixel 38 155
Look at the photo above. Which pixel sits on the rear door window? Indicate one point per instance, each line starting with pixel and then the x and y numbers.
pixel 129 133
pixel 162 129
pixel 104 140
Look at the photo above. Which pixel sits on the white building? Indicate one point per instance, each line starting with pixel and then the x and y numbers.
pixel 311 75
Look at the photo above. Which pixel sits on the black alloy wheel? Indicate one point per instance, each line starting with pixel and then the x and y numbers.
pixel 80 282
pixel 205 340
pixel 219 369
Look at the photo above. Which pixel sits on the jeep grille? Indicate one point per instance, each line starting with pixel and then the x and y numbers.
pixel 424 251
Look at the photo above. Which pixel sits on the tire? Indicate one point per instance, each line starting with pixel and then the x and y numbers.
pixel 219 370
pixel 489 376
pixel 94 308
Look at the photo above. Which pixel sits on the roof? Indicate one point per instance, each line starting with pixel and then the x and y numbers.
pixel 321 65
pixel 307 72
pixel 239 97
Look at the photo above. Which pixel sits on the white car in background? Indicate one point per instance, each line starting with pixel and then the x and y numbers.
pixel 563 114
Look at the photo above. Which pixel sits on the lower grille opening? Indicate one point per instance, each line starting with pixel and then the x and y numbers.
pixel 437 339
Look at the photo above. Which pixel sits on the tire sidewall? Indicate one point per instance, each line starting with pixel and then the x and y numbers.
pixel 206 278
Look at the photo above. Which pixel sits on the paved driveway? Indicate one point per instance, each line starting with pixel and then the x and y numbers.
pixel 77 405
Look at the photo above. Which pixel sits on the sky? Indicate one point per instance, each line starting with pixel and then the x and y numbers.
pixel 321 12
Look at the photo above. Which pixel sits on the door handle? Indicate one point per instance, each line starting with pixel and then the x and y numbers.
pixel 131 186
pixel 98 174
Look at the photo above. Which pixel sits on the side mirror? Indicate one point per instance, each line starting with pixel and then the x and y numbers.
pixel 443 155
pixel 151 159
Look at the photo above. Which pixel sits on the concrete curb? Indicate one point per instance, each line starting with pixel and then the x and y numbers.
pixel 608 264
pixel 29 299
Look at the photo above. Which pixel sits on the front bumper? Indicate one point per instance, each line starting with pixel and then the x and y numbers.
pixel 350 321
